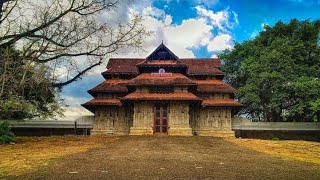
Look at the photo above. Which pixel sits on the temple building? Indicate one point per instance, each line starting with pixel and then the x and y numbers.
pixel 163 94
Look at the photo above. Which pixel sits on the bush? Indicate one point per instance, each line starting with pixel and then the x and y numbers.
pixel 6 136
pixel 16 109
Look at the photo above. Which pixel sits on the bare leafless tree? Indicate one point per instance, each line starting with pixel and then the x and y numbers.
pixel 69 34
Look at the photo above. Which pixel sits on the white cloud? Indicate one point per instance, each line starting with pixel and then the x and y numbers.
pixel 72 113
pixel 214 56
pixel 168 20
pixel 153 12
pixel 181 38
pixel 192 33
pixel 75 109
pixel 61 72
pixel 223 20
pixel 220 43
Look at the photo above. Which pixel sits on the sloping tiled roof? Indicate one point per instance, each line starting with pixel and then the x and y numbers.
pixel 102 102
pixel 217 86
pixel 162 63
pixel 157 79
pixel 220 102
pixel 125 66
pixel 110 85
pixel 203 66
pixel 160 96
pixel 195 66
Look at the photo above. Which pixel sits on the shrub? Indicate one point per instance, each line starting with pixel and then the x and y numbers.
pixel 16 109
pixel 6 136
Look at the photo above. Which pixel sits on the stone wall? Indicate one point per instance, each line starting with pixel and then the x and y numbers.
pixel 211 121
pixel 183 120
pixel 142 119
pixel 112 120
pixel 179 119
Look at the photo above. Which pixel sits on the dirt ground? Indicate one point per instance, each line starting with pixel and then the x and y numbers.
pixel 31 153
pixel 162 157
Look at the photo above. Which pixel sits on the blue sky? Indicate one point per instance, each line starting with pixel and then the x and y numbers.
pixel 196 28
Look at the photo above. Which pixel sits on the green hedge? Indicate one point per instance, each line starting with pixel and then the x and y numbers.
pixel 6 136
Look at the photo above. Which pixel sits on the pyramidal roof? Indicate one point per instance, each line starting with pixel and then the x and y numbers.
pixel 162 52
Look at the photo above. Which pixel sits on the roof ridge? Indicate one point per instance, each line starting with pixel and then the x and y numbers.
pixel 127 58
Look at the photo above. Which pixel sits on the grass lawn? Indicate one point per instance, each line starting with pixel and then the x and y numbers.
pixel 31 153
pixel 306 151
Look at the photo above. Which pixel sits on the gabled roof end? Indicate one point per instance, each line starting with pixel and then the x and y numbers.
pixel 162 52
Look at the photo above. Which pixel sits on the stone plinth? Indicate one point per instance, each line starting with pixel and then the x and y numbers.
pixel 141 131
pixel 180 132
pixel 213 133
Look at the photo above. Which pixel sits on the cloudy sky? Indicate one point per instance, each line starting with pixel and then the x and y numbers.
pixel 194 28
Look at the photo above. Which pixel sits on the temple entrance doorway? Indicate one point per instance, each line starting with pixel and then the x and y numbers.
pixel 160 119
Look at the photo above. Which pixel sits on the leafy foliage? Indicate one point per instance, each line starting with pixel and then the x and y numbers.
pixel 6 136
pixel 277 73
pixel 25 89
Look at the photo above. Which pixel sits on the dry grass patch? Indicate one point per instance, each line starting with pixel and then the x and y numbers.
pixel 305 151
pixel 31 153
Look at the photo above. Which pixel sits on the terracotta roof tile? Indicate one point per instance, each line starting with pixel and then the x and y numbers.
pixel 215 62
pixel 157 79
pixel 158 96
pixel 203 66
pixel 161 63
pixel 111 85
pixel 220 102
pixel 122 65
pixel 217 86
pixel 196 66
pixel 102 102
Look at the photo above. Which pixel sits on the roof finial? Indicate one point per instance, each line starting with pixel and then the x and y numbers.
pixel 162 42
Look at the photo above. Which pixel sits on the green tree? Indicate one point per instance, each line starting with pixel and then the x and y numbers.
pixel 25 89
pixel 277 73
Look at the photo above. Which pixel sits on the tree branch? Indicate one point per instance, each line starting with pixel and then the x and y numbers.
pixel 60 85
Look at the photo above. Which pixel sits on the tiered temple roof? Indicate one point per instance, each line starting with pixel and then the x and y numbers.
pixel 125 75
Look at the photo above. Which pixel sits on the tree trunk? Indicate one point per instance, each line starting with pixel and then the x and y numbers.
pixel 3 78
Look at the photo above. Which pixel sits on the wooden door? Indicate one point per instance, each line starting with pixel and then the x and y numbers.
pixel 161 115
